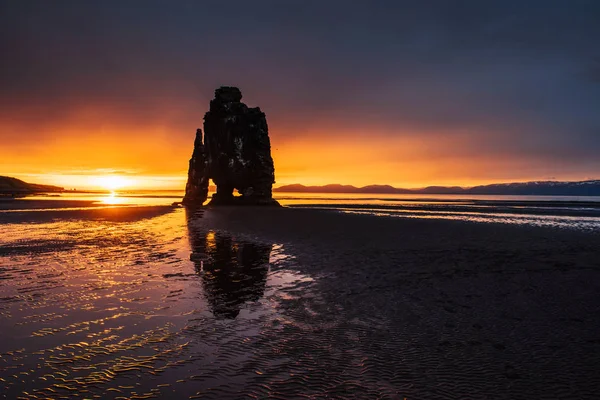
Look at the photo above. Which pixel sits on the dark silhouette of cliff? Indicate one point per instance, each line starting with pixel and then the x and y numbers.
pixel 196 188
pixel 14 186
pixel 235 154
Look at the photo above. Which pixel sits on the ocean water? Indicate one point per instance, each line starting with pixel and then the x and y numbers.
pixel 569 212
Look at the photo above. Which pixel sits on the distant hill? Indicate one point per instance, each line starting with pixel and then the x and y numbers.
pixel 10 185
pixel 544 188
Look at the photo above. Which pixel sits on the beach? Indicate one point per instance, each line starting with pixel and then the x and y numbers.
pixel 287 302
pixel 454 309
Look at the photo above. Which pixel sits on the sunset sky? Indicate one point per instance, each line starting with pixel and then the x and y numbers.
pixel 407 93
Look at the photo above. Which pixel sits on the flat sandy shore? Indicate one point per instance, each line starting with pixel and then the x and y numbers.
pixel 447 309
pixel 294 303
pixel 35 212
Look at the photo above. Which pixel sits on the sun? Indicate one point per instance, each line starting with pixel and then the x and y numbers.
pixel 111 182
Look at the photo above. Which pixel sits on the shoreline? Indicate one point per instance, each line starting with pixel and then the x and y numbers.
pixel 301 223
pixel 535 214
pixel 102 212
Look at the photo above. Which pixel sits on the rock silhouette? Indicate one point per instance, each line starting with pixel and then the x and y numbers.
pixel 236 154
pixel 196 189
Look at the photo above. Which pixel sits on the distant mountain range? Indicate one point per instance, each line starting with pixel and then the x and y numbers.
pixel 14 186
pixel 545 188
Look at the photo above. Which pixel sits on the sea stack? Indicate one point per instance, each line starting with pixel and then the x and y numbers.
pixel 196 188
pixel 235 154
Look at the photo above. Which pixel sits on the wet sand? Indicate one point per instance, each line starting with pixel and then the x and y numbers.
pixel 77 210
pixel 448 309
pixel 286 303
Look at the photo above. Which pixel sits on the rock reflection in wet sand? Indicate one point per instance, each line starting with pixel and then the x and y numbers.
pixel 232 272
pixel 136 309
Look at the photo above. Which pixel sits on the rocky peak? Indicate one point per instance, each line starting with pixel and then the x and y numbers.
pixel 228 94
pixel 236 154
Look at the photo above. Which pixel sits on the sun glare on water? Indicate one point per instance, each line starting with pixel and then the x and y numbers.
pixel 112 183
pixel 111 199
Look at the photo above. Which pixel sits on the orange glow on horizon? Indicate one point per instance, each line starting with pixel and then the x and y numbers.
pixel 120 156
pixel 100 182
pixel 113 182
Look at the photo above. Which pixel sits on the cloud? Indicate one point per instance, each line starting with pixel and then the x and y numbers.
pixel 494 77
